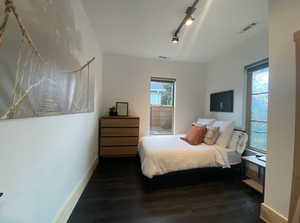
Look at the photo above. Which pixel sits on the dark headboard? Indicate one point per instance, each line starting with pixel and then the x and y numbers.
pixel 240 130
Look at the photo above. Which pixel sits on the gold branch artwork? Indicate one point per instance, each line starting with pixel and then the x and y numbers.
pixel 83 66
pixel 12 108
pixel 61 92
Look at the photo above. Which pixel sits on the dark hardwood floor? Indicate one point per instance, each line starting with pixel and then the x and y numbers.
pixel 118 193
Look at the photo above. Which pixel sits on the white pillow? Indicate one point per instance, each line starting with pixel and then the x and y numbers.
pixel 238 141
pixel 234 141
pixel 211 135
pixel 207 122
pixel 226 129
pixel 242 143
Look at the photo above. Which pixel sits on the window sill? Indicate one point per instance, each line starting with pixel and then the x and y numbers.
pixel 254 152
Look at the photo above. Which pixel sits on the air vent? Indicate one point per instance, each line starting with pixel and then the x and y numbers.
pixel 163 57
pixel 247 28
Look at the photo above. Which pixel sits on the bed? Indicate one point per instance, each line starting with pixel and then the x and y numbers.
pixel 160 155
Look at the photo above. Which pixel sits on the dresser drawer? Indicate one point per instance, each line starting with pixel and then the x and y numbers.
pixel 120 132
pixel 119 151
pixel 119 141
pixel 119 123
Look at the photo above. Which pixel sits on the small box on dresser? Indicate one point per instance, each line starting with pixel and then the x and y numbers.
pixel 119 136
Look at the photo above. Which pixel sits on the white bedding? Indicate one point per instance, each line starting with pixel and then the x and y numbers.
pixel 163 154
pixel 234 157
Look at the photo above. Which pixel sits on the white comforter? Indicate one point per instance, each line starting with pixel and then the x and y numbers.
pixel 163 154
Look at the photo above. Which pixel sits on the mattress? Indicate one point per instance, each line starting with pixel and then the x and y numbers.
pixel 163 154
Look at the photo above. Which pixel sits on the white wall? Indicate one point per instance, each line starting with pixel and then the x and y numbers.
pixel 226 72
pixel 284 21
pixel 128 79
pixel 43 159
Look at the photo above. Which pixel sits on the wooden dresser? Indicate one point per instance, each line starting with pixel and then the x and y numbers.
pixel 119 136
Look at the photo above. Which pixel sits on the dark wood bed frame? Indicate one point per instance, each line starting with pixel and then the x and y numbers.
pixel 192 177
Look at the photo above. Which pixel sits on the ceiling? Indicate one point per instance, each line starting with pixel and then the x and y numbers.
pixel 144 28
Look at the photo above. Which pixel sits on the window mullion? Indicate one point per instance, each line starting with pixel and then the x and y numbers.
pixel 258 121
pixel 260 93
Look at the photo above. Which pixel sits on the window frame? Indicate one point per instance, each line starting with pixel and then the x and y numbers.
pixel 249 70
pixel 165 80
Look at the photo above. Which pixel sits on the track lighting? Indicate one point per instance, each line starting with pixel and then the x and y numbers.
pixel 247 28
pixel 189 21
pixel 175 39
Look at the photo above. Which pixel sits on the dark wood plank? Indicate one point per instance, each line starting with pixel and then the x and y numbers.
pixel 119 117
pixel 119 151
pixel 118 193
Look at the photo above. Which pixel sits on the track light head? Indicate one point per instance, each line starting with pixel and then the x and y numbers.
pixel 189 21
pixel 175 39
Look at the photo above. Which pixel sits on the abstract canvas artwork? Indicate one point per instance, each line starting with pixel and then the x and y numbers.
pixel 34 86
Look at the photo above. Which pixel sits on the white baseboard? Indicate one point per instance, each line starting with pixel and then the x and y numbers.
pixel 269 215
pixel 67 209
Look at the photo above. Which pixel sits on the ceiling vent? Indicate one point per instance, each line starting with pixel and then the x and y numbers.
pixel 163 57
pixel 248 27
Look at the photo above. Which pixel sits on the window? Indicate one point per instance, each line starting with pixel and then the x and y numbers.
pixel 257 108
pixel 162 93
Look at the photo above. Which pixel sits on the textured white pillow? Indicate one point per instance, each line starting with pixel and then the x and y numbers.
pixel 207 122
pixel 226 129
pixel 212 135
pixel 235 138
pixel 238 141
pixel 242 143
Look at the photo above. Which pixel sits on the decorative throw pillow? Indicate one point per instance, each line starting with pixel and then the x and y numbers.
pixel 195 135
pixel 234 141
pixel 238 141
pixel 212 135
pixel 226 129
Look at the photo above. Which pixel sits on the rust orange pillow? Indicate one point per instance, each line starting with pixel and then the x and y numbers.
pixel 195 135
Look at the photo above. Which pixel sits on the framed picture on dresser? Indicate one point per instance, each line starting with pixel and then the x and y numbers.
pixel 122 108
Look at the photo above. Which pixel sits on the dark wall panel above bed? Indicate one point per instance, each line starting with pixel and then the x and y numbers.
pixel 222 101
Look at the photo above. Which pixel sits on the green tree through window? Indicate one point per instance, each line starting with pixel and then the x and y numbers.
pixel 167 95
